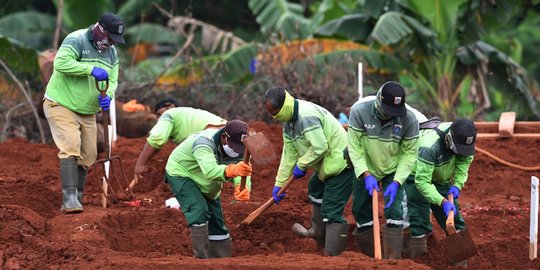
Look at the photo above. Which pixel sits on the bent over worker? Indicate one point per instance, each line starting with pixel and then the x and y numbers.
pixel 314 138
pixel 196 171
pixel 383 139
pixel 72 100
pixel 444 157
pixel 176 124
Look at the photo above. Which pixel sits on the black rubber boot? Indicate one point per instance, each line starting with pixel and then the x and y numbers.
pixel 68 175
pixel 418 246
pixel 364 240
pixel 336 238
pixel 199 240
pixel 317 230
pixel 81 179
pixel 392 242
pixel 220 249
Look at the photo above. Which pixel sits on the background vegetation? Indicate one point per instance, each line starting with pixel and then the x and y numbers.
pixel 474 58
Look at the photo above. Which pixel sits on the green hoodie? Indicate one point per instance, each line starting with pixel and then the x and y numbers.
pixel 438 164
pixel 200 159
pixel 382 149
pixel 71 84
pixel 178 123
pixel 313 138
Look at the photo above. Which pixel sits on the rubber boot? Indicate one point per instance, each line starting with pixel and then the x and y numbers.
pixel 317 230
pixel 68 175
pixel 418 245
pixel 460 264
pixel 220 249
pixel 392 242
pixel 336 238
pixel 199 240
pixel 364 240
pixel 81 179
pixel 406 252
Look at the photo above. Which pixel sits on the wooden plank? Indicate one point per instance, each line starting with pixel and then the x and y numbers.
pixel 533 232
pixel 516 135
pixel 506 124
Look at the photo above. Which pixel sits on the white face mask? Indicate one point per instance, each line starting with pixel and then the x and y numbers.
pixel 229 151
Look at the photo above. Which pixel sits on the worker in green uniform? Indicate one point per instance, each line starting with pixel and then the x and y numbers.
pixel 314 138
pixel 382 145
pixel 444 157
pixel 176 124
pixel 72 100
pixel 196 171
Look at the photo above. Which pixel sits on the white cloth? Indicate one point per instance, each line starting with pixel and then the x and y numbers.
pixel 172 203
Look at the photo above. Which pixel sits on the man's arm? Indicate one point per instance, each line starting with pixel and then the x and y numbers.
pixel 66 60
pixel 147 153
pixel 462 170
pixel 289 156
pixel 422 179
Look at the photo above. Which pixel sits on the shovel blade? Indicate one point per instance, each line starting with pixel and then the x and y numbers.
pixel 260 148
pixel 459 246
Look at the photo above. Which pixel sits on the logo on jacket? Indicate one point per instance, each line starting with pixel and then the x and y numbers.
pixel 396 129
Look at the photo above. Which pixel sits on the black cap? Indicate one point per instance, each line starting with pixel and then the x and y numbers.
pixel 235 131
pixel 114 26
pixel 464 136
pixel 393 99
pixel 164 103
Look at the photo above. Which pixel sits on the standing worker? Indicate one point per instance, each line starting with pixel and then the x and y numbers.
pixel 176 124
pixel 383 140
pixel 72 100
pixel 314 138
pixel 195 171
pixel 444 157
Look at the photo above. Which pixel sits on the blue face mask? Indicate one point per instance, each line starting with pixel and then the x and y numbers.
pixel 229 151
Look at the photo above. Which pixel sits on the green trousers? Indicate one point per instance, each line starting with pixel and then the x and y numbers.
pixel 332 195
pixel 362 204
pixel 419 209
pixel 197 208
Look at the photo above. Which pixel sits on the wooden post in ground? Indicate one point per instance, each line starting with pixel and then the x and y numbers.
pixel 533 233
pixel 506 124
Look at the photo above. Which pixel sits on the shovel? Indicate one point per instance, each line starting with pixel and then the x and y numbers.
pixel 459 246
pixel 259 149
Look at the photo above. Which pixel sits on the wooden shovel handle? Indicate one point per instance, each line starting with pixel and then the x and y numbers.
pixel 450 227
pixel 376 229
pixel 247 156
pixel 255 214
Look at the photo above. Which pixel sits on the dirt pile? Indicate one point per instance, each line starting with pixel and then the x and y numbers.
pixel 34 234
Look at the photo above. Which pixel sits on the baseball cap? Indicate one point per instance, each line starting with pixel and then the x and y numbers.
pixel 164 103
pixel 114 26
pixel 463 133
pixel 235 131
pixel 393 99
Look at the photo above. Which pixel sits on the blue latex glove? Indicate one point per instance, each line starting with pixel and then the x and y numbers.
pixel 100 74
pixel 275 192
pixel 298 173
pixel 104 102
pixel 371 183
pixel 391 191
pixel 454 190
pixel 447 207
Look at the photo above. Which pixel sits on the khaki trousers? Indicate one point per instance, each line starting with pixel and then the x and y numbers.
pixel 74 134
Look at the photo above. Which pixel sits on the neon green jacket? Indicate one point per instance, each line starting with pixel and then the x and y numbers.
pixel 199 158
pixel 438 164
pixel 178 123
pixel 315 139
pixel 382 150
pixel 71 84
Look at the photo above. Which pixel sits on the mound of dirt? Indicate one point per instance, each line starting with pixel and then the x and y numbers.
pixel 34 234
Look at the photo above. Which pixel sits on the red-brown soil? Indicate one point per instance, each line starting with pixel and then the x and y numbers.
pixel 34 234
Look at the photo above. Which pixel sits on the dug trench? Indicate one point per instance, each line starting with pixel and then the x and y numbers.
pixel 34 234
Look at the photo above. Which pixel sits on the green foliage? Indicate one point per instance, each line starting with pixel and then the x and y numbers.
pixel 353 27
pixel 133 8
pixel 235 64
pixel 81 14
pixel 19 58
pixel 34 29
pixel 152 33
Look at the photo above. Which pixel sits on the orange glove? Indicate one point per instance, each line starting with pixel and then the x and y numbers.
pixel 238 169
pixel 241 195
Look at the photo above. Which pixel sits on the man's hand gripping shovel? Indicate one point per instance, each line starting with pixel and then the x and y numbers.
pixel 108 161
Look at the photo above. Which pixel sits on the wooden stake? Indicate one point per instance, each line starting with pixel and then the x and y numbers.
pixel 506 124
pixel 376 227
pixel 533 233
